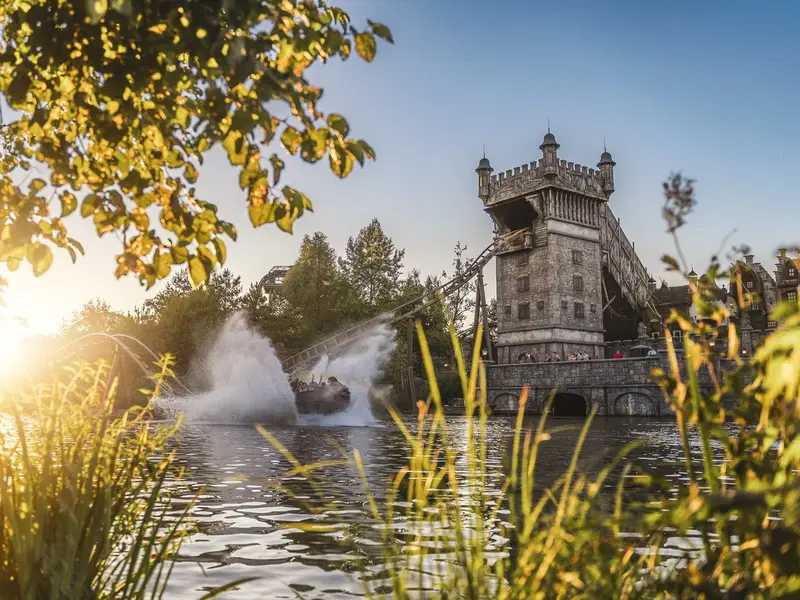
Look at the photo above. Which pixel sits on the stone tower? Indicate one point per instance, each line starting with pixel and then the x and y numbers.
pixel 548 217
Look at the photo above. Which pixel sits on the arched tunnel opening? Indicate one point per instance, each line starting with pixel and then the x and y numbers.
pixel 569 405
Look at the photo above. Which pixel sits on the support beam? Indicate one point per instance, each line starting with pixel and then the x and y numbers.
pixel 475 323
pixel 410 368
pixel 485 311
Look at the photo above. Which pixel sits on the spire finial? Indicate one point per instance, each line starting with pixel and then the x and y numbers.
pixel 484 151
pixel 604 145
pixel 548 125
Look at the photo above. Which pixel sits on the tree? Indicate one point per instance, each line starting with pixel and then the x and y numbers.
pixel 461 303
pixel 96 316
pixel 224 285
pixel 121 100
pixel 373 265
pixel 315 288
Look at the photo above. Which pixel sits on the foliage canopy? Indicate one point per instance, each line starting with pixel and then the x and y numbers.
pixel 121 100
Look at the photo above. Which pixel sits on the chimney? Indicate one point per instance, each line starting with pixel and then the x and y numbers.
pixel 749 259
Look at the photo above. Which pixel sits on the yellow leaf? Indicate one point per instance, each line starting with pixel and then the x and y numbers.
pixel 234 144
pixel 197 271
pixel 40 257
pixel 365 45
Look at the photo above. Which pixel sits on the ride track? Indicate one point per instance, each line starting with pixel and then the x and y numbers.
pixel 473 269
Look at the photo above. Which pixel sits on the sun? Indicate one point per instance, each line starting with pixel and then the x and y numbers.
pixel 11 335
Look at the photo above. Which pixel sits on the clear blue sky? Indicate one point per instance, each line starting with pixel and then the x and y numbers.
pixel 711 89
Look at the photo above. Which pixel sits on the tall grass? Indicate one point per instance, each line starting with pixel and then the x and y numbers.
pixel 442 526
pixel 82 494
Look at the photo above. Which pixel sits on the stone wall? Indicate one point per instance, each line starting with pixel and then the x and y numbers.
pixel 621 387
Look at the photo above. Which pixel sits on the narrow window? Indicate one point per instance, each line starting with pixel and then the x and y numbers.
pixel 540 305
pixel 523 283
pixel 507 310
pixel 579 310
pixel 523 258
pixel 577 283
pixel 792 273
pixel 577 257
pixel 563 305
pixel 593 308
pixel 524 310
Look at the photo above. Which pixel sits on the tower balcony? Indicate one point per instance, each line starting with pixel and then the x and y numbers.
pixel 514 241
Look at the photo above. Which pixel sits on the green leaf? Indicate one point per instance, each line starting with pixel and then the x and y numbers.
pixel 182 116
pixel 341 161
pixel 222 252
pixel 179 254
pixel 229 229
pixel 291 140
pixel 40 257
pixel 89 205
pixel 285 220
pixel 37 185
pixel 313 146
pixel 197 271
pixel 277 167
pixel 367 149
pixel 68 204
pixel 357 151
pixel 381 31
pixel 234 144
pixel 77 245
pixel 208 257
pixel 190 173
pixel 259 213
pixel 162 264
pixel 365 45
pixel 339 124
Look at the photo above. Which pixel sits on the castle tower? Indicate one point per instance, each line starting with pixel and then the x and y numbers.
pixel 548 216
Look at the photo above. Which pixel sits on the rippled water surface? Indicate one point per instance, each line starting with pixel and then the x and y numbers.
pixel 253 519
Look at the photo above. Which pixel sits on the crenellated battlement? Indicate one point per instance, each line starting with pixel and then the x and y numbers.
pixel 534 167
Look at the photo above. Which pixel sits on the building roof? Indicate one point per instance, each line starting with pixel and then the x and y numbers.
pixel 677 294
pixel 605 159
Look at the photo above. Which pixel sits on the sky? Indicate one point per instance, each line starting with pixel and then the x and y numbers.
pixel 710 89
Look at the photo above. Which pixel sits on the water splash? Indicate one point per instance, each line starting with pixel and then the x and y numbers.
pixel 247 383
pixel 357 367
pixel 246 380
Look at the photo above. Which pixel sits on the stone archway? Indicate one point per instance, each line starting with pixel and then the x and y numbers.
pixel 635 404
pixel 568 404
pixel 504 402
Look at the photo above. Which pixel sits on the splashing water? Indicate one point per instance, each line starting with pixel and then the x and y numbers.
pixel 358 368
pixel 248 384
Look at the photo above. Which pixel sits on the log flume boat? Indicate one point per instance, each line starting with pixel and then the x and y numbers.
pixel 322 398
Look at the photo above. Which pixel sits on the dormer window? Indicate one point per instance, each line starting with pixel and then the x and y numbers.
pixel 792 274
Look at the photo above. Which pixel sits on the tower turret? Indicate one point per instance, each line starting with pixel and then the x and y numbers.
pixel 484 172
pixel 549 150
pixel 606 166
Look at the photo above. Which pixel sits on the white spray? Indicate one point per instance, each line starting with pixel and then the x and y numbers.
pixel 358 368
pixel 248 384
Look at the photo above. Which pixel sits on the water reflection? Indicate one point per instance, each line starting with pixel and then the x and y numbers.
pixel 255 521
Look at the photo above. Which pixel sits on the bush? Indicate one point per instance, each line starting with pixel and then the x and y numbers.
pixel 81 494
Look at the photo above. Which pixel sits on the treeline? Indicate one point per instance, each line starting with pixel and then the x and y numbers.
pixel 324 293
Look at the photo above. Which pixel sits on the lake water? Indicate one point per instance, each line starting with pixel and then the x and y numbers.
pixel 253 520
